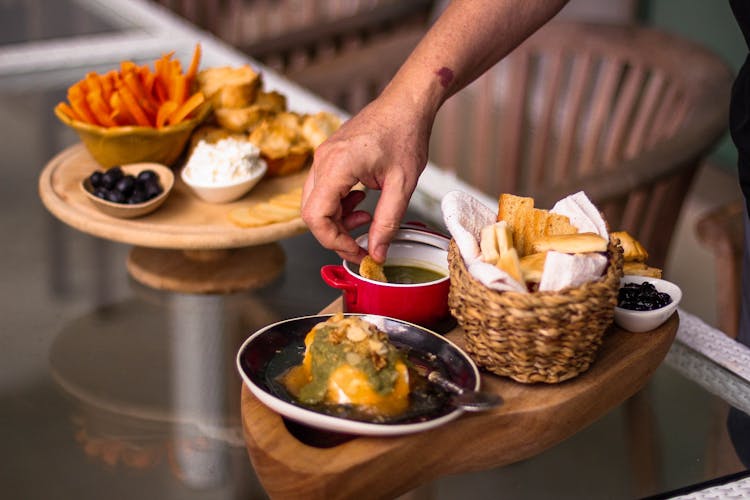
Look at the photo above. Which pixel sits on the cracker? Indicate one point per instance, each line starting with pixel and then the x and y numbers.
pixel 370 269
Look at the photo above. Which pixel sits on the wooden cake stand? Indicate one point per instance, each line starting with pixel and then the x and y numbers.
pixel 301 463
pixel 186 245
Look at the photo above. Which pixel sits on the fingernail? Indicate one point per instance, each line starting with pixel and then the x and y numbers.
pixel 378 253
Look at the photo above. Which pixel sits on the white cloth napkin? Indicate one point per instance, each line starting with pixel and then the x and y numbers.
pixel 465 216
pixel 582 214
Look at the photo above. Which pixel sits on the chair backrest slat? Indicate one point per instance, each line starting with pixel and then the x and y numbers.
pixel 644 116
pixel 514 120
pixel 602 98
pixel 554 66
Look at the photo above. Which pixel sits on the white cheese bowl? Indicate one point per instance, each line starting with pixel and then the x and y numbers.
pixel 224 171
pixel 224 193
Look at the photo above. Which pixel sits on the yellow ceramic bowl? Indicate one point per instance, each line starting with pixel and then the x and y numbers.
pixel 118 145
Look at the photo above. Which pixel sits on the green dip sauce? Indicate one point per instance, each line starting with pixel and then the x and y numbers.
pixel 407 275
pixel 327 356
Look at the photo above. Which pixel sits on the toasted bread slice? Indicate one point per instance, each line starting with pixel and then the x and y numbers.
pixel 504 237
pixel 271 101
pixel 282 145
pixel 509 204
pixel 241 120
pixel 559 224
pixel 641 269
pixel 229 87
pixel 510 263
pixel 632 249
pixel 291 199
pixel 571 243
pixel 319 127
pixel 495 240
pixel 530 227
pixel 532 266
pixel 280 208
pixel 488 244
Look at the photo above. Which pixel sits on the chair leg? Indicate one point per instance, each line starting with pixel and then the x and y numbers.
pixel 641 432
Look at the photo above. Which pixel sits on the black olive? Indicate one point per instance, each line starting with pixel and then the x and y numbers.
pixel 125 185
pixel 642 297
pixel 111 176
pixel 137 197
pixel 96 179
pixel 115 197
pixel 153 189
pixel 147 175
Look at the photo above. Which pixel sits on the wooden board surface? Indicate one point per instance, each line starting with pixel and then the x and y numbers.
pixel 183 222
pixel 533 419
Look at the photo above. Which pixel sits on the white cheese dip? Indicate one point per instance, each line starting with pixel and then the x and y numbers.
pixel 227 161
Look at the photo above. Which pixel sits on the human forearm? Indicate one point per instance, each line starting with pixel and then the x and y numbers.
pixel 467 39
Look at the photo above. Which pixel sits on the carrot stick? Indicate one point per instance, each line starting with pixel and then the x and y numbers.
pixel 160 91
pixel 186 108
pixel 147 80
pixel 127 67
pixel 133 82
pixel 108 84
pixel 78 103
pixel 133 107
pixel 120 113
pixel 178 90
pixel 67 110
pixel 166 109
pixel 93 84
pixel 100 109
pixel 76 90
pixel 194 62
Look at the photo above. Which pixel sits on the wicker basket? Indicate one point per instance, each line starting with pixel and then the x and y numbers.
pixel 534 337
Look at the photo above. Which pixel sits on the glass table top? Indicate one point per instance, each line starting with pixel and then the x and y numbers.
pixel 108 387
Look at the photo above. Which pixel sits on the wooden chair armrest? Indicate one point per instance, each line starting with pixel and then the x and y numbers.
pixel 722 231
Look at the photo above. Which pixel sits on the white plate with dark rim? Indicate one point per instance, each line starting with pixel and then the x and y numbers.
pixel 272 350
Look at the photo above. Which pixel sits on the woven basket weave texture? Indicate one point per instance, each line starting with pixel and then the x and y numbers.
pixel 534 337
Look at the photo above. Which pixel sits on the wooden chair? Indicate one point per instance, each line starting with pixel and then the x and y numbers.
pixel 289 35
pixel 722 231
pixel 625 113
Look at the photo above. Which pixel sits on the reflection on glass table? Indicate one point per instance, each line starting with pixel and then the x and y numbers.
pixel 99 370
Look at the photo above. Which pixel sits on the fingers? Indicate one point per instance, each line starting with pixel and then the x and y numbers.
pixel 330 217
pixel 389 212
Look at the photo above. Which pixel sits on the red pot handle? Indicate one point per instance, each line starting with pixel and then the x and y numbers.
pixel 337 277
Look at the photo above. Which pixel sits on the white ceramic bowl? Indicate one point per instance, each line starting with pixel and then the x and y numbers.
pixel 224 193
pixel 644 321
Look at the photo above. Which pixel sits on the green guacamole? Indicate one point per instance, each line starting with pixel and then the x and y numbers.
pixel 327 356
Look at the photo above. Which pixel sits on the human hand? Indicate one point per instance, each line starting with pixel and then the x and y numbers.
pixel 384 147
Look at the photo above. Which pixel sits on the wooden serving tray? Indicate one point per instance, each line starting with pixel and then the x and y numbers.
pixel 294 462
pixel 186 245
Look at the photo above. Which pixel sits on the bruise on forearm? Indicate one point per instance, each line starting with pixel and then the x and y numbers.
pixel 445 76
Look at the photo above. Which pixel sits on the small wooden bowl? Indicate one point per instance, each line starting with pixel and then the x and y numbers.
pixel 127 211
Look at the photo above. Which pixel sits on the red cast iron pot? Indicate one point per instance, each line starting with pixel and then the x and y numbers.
pixel 423 303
